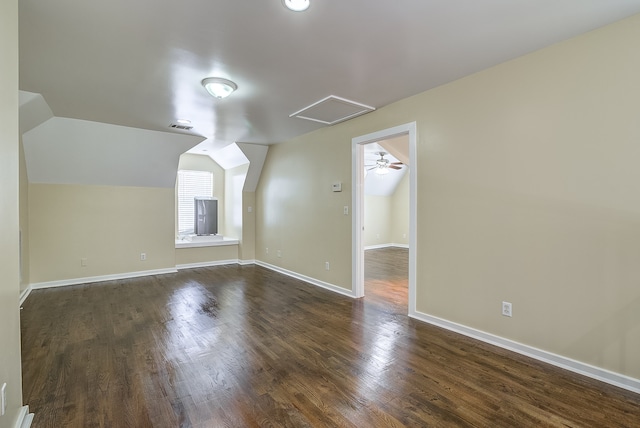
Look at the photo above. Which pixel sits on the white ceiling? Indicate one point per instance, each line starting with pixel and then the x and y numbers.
pixel 139 63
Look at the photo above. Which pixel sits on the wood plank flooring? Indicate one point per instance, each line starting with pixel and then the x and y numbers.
pixel 242 346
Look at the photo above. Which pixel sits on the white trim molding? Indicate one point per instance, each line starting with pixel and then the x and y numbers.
pixel 24 418
pixel 25 293
pixel 206 241
pixel 379 246
pixel 312 281
pixel 616 379
pixel 400 246
pixel 584 369
pixel 77 281
pixel 357 203
pixel 207 264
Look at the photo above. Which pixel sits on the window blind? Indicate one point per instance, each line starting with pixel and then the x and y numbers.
pixel 191 184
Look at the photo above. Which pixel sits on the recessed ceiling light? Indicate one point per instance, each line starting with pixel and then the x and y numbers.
pixel 183 121
pixel 296 5
pixel 219 87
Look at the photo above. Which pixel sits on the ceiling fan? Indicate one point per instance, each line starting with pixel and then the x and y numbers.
pixel 383 165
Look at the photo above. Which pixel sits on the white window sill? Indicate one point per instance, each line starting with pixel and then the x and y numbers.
pixel 205 241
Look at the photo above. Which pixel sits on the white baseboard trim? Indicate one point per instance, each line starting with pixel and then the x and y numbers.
pixel 24 418
pixel 207 264
pixel 25 293
pixel 400 246
pixel 76 281
pixel 616 379
pixel 378 246
pixel 308 279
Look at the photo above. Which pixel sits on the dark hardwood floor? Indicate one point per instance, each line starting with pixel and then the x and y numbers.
pixel 386 278
pixel 242 346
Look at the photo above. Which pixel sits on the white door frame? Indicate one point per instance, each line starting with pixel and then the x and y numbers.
pixel 357 195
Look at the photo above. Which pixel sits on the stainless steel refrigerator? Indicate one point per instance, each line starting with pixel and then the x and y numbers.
pixel 206 216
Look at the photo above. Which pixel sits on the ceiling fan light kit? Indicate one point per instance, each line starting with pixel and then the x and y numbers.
pixel 383 165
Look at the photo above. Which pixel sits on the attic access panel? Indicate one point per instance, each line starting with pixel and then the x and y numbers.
pixel 332 110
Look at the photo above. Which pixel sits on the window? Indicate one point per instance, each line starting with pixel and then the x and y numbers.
pixel 191 184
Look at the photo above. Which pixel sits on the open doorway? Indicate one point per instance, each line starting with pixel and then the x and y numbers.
pixel 359 171
pixel 386 222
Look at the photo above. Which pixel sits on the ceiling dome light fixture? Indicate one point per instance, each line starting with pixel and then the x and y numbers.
pixel 296 5
pixel 219 87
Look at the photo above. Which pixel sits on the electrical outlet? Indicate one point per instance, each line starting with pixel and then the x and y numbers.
pixel 143 256
pixel 3 399
pixel 326 265
pixel 346 210
pixel 266 250
pixel 507 310
pixel 279 253
pixel 83 262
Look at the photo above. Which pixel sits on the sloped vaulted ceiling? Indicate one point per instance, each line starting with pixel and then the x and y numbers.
pixel 72 151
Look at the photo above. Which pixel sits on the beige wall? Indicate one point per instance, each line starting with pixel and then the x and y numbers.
pixel 234 182
pixel 10 371
pixel 377 220
pixel 526 180
pixel 298 213
pixel 527 183
pixel 400 213
pixel 109 226
pixel 24 222
pixel 248 240
pixel 386 218
pixel 186 256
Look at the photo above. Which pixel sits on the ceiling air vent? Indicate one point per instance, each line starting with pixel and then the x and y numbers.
pixel 183 127
pixel 332 110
